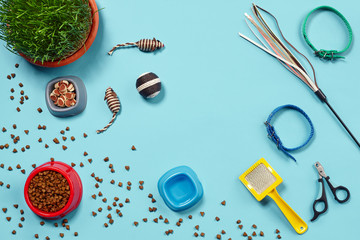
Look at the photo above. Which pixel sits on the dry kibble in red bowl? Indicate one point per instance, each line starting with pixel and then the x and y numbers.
pixel 53 190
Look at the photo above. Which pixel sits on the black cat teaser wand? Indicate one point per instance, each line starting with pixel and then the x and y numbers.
pixel 278 50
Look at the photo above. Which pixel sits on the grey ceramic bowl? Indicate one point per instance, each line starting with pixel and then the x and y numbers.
pixel 81 97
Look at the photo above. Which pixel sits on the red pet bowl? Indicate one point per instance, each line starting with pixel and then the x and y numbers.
pixel 76 189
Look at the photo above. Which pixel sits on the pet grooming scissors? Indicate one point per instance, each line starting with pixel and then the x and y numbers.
pixel 334 190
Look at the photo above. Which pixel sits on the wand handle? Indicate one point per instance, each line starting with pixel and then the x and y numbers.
pixel 322 97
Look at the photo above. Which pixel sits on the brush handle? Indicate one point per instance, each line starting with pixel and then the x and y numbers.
pixel 296 222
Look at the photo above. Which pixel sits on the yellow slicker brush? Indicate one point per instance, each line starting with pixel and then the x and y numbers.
pixel 261 180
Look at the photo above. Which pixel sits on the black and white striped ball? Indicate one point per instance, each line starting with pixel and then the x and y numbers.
pixel 148 85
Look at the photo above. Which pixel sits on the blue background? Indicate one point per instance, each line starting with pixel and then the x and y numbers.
pixel 218 90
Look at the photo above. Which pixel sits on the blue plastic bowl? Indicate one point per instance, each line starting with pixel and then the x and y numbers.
pixel 180 188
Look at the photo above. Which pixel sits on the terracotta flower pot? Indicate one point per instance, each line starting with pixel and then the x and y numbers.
pixel 82 50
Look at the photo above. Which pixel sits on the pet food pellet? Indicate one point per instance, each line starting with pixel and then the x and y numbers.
pixel 47 146
pixel 141 182
pixel 178 224
pixel 27 146
pixel 241 226
pixel 85 153
pixel 112 170
pixel 112 181
pixel 4 210
pixel 110 165
pixel 44 127
pixel 22 92
pixel 261 233
pixel 10 168
pixel 99 209
pixel 106 159
pixel 8 186
pixel 3 129
pixel 150 195
pixel 56 141
pixel 67 128
pixel 218 236
pixel 26 97
pixel 156 220
pixel 127 168
pixel 20 225
pixel 14 126
pixel 217 219
pixel 148 85
pixel 128 188
pixel 6 145
pixel 13 232
pixel 23 171
pixel 18 166
pixel 196 234
pixel 47 238
pixel 12 90
pixel 67 227
pixel 166 221
pixel 42 223
pixel 14 151
pixel 249 238
pixel 39 127
pixel 127 200
pixel 145 220
pixel 93 196
pixel 109 216
pixel 197 227
pixel 245 234
pixel 116 199
pixel 8 219
pixel 254 226
pixel 254 234
pixel 62 132
pixel 109 208
pixel 223 232
pixel 90 160
pixel 16 65
pixel 64 147
pixel 94 213
pixel 133 148
pixel 72 138
pixel 11 97
pixel 202 234
pixel 190 216
pixel 111 221
pixel 8 77
pixel 141 187
pixel 106 225
pixel 104 200
pixel 223 203
pixel 73 164
pixel 39 110
pixel 278 236
pixel 36 235
pixel 121 205
pixel 238 221
pixel 136 224
pixel 1 183
pixel 85 135
pixel 61 235
pixel 202 213
pixel 64 138
pixel 154 209
pixel 21 212
pixel 13 75
pixel 153 200
pixel 39 140
pixel 277 231
pixel 22 219
pixel 81 164
pixel 120 214
pixel 76 234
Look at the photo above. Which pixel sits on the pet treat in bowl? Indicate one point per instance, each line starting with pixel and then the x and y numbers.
pixel 53 190
pixel 66 96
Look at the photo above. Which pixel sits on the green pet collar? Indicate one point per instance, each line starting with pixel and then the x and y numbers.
pixel 322 53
